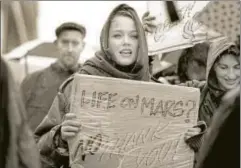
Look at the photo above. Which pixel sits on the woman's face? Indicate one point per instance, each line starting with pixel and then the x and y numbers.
pixel 228 72
pixel 123 40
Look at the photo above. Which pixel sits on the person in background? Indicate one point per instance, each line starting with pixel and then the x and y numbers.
pixel 192 63
pixel 40 88
pixel 222 141
pixel 17 146
pixel 223 75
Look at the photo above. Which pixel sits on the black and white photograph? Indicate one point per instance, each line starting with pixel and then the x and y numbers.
pixel 120 84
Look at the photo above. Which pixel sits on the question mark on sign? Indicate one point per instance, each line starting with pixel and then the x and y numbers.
pixel 187 120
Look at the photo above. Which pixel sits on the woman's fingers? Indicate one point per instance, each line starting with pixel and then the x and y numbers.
pixel 68 135
pixel 69 129
pixel 197 129
pixel 145 15
pixel 72 123
pixel 70 116
pixel 147 28
pixel 150 18
pixel 150 24
pixel 192 132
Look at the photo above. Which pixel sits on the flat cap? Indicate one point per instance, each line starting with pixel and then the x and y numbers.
pixel 70 26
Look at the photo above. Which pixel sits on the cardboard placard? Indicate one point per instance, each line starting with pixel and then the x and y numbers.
pixel 183 34
pixel 133 124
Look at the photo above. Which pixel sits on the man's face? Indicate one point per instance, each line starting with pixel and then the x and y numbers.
pixel 196 70
pixel 70 45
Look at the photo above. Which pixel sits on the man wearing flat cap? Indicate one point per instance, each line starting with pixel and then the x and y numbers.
pixel 40 88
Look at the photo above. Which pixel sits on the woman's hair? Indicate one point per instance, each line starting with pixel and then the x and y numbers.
pixel 123 13
pixel 232 50
pixel 182 66
pixel 4 120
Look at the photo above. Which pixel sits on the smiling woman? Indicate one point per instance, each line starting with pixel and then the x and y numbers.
pixel 223 74
pixel 227 69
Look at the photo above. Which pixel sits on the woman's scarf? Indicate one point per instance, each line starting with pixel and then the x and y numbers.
pixel 103 65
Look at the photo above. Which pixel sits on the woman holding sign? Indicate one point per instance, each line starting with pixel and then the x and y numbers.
pixel 223 75
pixel 123 55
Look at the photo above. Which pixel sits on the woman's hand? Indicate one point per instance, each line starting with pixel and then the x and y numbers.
pixel 192 132
pixel 229 98
pixel 194 84
pixel 147 22
pixel 70 127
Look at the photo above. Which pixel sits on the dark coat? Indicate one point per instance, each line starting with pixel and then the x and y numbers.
pixel 39 90
pixel 21 150
pixel 222 141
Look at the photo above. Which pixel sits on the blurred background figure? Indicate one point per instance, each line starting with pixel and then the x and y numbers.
pixel 223 75
pixel 182 65
pixel 40 88
pixel 192 63
pixel 19 20
pixel 17 145
pixel 221 145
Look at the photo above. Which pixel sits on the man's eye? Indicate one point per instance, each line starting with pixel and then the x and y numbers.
pixel 65 42
pixel 75 43
pixel 135 36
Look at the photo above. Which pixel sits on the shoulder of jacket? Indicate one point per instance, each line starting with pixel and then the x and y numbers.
pixel 32 76
pixel 204 92
pixel 65 83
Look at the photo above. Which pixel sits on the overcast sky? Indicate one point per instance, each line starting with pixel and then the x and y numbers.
pixel 92 14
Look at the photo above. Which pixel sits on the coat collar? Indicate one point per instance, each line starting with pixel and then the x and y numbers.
pixel 59 68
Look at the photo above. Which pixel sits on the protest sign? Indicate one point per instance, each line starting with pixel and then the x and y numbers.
pixel 223 17
pixel 135 124
pixel 185 33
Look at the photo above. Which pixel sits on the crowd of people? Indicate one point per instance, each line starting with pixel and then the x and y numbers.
pixel 35 120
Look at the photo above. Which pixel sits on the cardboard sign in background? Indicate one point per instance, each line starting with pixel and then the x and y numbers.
pixel 141 124
pixel 183 34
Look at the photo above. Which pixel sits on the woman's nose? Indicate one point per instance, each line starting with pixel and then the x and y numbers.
pixel 126 40
pixel 231 74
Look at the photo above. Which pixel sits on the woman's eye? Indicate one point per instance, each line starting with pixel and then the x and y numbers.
pixel 135 36
pixel 117 36
pixel 221 66
pixel 237 67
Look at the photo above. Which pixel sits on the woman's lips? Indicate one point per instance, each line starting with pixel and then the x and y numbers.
pixel 126 52
pixel 231 82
